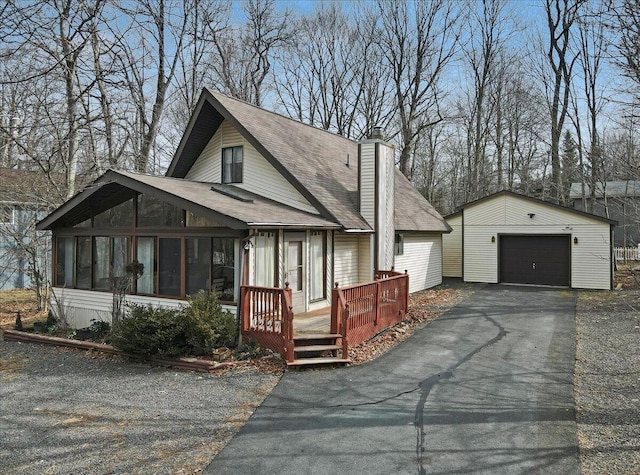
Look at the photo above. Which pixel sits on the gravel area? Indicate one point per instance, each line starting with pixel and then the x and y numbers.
pixel 607 381
pixel 66 411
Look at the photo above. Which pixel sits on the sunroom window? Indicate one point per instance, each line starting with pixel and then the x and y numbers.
pixel 223 268
pixel 153 212
pixel 111 256
pixel 65 260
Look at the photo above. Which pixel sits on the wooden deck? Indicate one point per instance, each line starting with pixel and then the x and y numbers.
pixel 318 321
pixel 357 313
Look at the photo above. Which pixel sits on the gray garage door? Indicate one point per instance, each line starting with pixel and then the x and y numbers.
pixel 542 260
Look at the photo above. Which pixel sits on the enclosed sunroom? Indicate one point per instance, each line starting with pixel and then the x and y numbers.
pixel 183 246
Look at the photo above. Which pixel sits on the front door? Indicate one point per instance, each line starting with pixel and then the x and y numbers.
pixel 294 272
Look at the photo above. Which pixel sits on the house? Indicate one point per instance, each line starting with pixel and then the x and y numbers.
pixel 251 198
pixel 511 238
pixel 24 252
pixel 618 200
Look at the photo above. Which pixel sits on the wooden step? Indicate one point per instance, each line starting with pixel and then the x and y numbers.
pixel 308 348
pixel 318 361
pixel 316 336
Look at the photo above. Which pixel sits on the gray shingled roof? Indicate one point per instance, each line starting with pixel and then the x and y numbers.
pixel 312 159
pixel 229 205
pixel 622 188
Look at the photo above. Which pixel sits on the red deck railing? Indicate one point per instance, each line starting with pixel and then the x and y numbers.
pixel 267 317
pixel 361 311
pixel 358 312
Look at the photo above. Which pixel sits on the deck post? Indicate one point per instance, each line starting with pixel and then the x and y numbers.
pixel 345 343
pixel 406 292
pixel 334 327
pixel 378 301
pixel 287 296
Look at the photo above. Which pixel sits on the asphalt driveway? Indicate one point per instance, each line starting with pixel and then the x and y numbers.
pixel 485 388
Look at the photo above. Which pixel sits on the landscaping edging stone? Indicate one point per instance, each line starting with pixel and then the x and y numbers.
pixel 188 364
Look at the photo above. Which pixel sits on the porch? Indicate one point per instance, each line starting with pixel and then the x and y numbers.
pixel 357 313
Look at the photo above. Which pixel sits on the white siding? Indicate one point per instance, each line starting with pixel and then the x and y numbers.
pixel 422 259
pixel 345 259
pixel 365 267
pixel 367 178
pixel 84 306
pixel 452 248
pixel 377 200
pixel 386 203
pixel 590 257
pixel 258 175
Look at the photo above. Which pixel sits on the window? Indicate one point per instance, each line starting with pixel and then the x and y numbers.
pixel 83 262
pixel 64 257
pixel 101 263
pixel 398 248
pixel 223 268
pixel 198 261
pixel 147 257
pixel 293 266
pixel 110 257
pixel 153 212
pixel 119 216
pixel 232 158
pixel 194 220
pixel 317 259
pixel 169 254
pixel 6 214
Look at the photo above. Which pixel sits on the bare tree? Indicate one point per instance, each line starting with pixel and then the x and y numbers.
pixel 484 53
pixel 148 51
pixel 592 50
pixel 626 14
pixel 333 74
pixel 419 39
pixel 57 33
pixel 561 17
pixel 245 55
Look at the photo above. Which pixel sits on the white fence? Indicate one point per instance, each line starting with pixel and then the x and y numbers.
pixel 627 253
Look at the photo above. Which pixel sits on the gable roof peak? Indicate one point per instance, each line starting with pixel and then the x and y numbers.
pixel 219 95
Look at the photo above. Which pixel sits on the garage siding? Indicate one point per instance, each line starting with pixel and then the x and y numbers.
pixel 452 248
pixel 422 258
pixel 590 257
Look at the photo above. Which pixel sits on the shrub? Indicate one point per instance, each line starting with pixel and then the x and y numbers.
pixel 99 330
pixel 193 330
pixel 206 308
pixel 150 330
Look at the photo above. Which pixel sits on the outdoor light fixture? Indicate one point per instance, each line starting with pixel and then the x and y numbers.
pixel 575 240
pixel 247 244
pixel 531 215
pixel 493 239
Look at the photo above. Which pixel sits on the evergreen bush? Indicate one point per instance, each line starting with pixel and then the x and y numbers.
pixel 207 308
pixel 193 330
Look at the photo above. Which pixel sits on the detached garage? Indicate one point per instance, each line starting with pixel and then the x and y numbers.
pixel 511 238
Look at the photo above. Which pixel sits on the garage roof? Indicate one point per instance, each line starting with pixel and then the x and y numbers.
pixel 535 200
